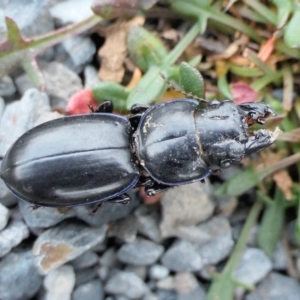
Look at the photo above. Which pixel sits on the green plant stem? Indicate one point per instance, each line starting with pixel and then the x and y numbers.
pixel 61 34
pixel 223 284
pixel 193 9
pixel 181 46
pixel 263 10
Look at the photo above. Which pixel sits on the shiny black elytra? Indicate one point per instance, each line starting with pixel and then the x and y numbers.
pixel 97 157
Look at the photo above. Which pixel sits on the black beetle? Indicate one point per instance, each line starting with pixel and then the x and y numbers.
pixel 97 157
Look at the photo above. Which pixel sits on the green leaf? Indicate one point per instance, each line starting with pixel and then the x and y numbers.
pixel 145 49
pixel 108 90
pixel 291 33
pixel 150 88
pixel 191 80
pixel 224 87
pixel 271 224
pixel 284 8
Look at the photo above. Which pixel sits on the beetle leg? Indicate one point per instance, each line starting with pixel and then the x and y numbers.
pixel 105 107
pixel 123 199
pixel 138 109
pixel 156 189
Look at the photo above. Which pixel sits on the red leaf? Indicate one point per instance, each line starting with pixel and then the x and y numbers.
pixel 242 93
pixel 80 101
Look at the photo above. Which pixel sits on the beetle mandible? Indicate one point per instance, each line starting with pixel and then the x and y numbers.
pixel 85 159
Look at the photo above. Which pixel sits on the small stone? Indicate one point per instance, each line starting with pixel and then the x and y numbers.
pixel 280 257
pixel 185 206
pixel 140 271
pixel 44 217
pixel 63 243
pixel 7 87
pixel 15 232
pixel 167 283
pixel 253 267
pixel 90 77
pixel 86 275
pixel 75 53
pixel 182 256
pixel 61 84
pixel 276 286
pixel 188 288
pixel 92 290
pixel 108 212
pixel 2 106
pixel 85 260
pixel 20 116
pixel 166 295
pixel 18 276
pixel 158 272
pixel 212 239
pixel 59 283
pixel 148 222
pixel 71 11
pixel 150 296
pixel 126 284
pixel 108 264
pixel 4 216
pixel 124 229
pixel 140 253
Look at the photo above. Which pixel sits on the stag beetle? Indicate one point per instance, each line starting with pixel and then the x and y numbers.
pixel 84 159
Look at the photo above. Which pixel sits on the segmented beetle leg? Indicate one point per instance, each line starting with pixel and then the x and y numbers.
pixel 105 107
pixel 34 207
pixel 156 189
pixel 123 199
pixel 138 109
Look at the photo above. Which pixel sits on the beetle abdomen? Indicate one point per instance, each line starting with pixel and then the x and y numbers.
pixel 167 144
pixel 72 161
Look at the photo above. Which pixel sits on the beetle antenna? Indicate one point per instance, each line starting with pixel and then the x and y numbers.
pixel 173 87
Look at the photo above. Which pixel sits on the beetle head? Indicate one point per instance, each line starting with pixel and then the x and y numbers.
pixel 222 128
pixel 256 112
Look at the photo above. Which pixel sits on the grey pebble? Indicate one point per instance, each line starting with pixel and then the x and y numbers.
pixel 167 283
pixel 75 53
pixel 158 272
pixel 253 267
pixel 71 11
pixel 63 243
pixel 18 276
pixel 213 239
pixel 185 206
pixel 140 271
pixel 140 253
pixel 85 260
pixel 148 219
pixel 20 116
pixel 2 105
pixel 126 284
pixel 166 295
pixel 188 287
pixel 92 290
pixel 90 77
pixel 182 256
pixel 276 287
pixel 86 275
pixel 59 283
pixel 4 216
pixel 43 217
pixel 7 87
pixel 124 229
pixel 61 84
pixel 15 232
pixel 280 257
